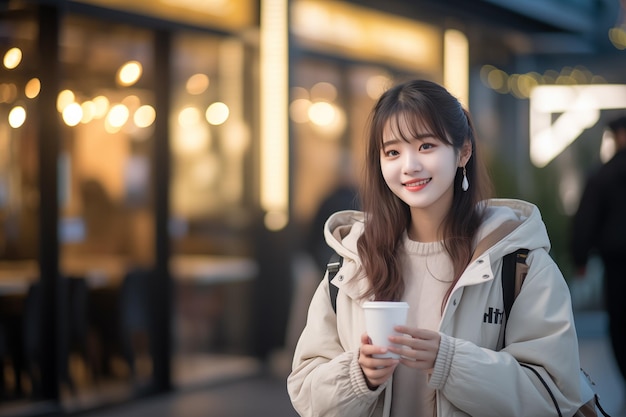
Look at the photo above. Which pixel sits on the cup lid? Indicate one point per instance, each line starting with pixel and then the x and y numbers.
pixel 385 304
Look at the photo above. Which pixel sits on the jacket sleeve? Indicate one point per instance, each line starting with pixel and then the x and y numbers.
pixel 540 333
pixel 327 380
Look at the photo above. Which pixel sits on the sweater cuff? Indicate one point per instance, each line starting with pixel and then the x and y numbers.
pixel 358 380
pixel 443 362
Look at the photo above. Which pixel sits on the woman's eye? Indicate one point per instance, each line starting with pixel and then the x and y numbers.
pixel 392 152
pixel 426 146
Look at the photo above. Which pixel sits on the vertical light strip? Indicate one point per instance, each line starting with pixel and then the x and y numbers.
pixel 235 132
pixel 456 65
pixel 273 111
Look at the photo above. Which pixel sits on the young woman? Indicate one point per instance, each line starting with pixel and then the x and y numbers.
pixel 426 212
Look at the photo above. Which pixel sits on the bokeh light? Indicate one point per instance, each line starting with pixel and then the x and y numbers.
pixel 116 118
pixel 17 117
pixel 217 113
pixel 521 85
pixel 32 88
pixel 89 111
pixel 72 114
pixel 129 73
pixel 299 110
pixel 189 116
pixel 323 91
pixel 12 58
pixel 197 84
pixel 321 113
pixel 144 116
pixel 8 92
pixel 64 99
pixel 102 106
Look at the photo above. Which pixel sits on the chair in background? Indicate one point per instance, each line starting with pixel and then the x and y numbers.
pixel 103 330
pixel 134 316
pixel 31 335
pixel 72 330
pixel 4 354
pixel 11 349
pixel 74 342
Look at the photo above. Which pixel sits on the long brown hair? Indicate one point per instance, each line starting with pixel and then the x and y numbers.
pixel 420 103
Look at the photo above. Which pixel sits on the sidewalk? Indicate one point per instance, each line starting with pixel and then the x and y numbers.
pixel 596 357
pixel 266 395
pixel 253 396
pixel 596 354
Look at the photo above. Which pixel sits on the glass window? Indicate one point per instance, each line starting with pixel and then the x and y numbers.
pixel 211 207
pixel 329 106
pixel 106 107
pixel 19 208
pixel 18 139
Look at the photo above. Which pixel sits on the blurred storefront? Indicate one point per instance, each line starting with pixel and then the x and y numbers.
pixel 160 162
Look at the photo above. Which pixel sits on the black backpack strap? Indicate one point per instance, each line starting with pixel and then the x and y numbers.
pixel 508 282
pixel 510 264
pixel 333 266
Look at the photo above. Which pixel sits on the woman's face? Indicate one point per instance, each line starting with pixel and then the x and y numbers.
pixel 421 171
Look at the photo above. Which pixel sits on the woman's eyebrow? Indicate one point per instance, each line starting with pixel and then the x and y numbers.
pixel 424 136
pixel 389 142
pixel 420 136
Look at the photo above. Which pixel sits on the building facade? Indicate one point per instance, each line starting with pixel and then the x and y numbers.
pixel 161 162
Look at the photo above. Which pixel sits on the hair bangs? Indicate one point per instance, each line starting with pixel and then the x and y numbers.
pixel 411 120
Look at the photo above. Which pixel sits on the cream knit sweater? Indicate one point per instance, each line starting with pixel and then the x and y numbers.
pixel 428 272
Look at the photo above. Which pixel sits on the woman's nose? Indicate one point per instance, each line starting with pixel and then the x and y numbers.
pixel 412 162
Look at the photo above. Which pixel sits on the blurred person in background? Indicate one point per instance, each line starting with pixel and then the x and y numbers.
pixel 310 264
pixel 599 226
pixel 344 196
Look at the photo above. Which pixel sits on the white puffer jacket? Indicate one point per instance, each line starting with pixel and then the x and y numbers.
pixel 472 375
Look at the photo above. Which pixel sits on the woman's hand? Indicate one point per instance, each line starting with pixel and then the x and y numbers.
pixel 376 371
pixel 418 347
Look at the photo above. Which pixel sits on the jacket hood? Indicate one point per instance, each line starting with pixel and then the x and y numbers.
pixel 343 228
pixel 531 233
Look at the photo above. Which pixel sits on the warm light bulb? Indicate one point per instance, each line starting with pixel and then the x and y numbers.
pixel 102 106
pixel 72 114
pixel 17 117
pixel 129 73
pixel 32 88
pixel 217 113
pixel 118 115
pixel 89 111
pixel 197 84
pixel 12 58
pixel 65 98
pixel 144 116
pixel 321 113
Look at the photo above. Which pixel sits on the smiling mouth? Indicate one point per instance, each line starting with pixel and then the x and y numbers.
pixel 419 183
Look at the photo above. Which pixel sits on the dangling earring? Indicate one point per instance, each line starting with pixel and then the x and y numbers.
pixel 465 183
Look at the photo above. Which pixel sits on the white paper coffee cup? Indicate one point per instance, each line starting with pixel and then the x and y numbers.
pixel 380 319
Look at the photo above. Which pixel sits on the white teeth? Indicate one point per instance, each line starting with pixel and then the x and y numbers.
pixel 417 183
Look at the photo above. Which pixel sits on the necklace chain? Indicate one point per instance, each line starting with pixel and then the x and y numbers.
pixel 440 280
pixel 433 275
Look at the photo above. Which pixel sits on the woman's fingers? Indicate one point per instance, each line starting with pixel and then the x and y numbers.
pixel 418 347
pixel 376 370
